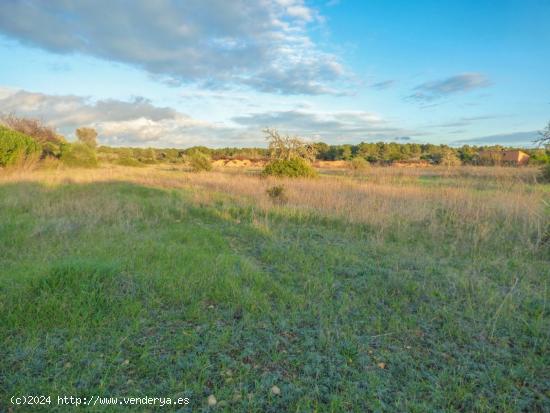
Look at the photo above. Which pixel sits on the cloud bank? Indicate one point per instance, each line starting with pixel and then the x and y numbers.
pixel 464 82
pixel 344 126
pixel 262 44
pixel 138 122
pixel 122 123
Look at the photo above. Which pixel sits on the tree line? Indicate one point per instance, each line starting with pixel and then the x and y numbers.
pixel 42 142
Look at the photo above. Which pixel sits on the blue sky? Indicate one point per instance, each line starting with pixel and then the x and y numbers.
pixel 182 73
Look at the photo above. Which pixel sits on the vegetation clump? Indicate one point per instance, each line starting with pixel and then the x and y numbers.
pixel 358 164
pixel 16 147
pixel 290 156
pixel 545 173
pixel 87 136
pixel 80 155
pixel 199 161
pixel 126 161
pixel 291 168
pixel 277 194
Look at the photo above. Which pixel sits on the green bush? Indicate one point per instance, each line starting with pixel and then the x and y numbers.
pixel 16 147
pixel 199 161
pixel 129 162
pixel 358 164
pixel 293 168
pixel 78 155
pixel 545 173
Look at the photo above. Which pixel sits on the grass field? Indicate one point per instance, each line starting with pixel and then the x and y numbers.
pixel 392 290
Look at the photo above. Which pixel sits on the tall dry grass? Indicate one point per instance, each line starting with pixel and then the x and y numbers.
pixel 470 207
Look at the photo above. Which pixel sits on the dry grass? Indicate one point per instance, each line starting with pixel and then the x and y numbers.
pixel 471 204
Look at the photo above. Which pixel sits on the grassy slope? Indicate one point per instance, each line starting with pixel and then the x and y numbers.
pixel 117 289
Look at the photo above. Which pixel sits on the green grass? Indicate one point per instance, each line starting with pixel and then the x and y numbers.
pixel 115 289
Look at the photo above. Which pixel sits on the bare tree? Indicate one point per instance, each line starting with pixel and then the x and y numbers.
pixel 287 147
pixel 31 127
pixel 544 136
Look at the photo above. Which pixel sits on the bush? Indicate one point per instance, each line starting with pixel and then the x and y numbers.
pixel 199 161
pixel 358 164
pixel 277 194
pixel 87 136
pixel 129 162
pixel 16 147
pixel 78 155
pixel 293 168
pixel 545 173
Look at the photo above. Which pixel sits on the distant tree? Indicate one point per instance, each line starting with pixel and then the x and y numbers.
pixel 544 136
pixel 288 147
pixel 347 152
pixel 87 136
pixel 199 161
pixel 467 154
pixel 448 158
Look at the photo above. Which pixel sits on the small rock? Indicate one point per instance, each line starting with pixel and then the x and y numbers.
pixel 126 362
pixel 212 400
pixel 275 390
pixel 381 365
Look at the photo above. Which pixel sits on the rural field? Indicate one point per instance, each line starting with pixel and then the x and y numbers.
pixel 386 289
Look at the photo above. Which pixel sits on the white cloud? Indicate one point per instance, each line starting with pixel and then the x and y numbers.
pixel 263 44
pixel 140 123
pixel 137 122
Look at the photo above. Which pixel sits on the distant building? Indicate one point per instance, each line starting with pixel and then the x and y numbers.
pixel 507 157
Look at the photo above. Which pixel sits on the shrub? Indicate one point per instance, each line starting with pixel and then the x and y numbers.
pixel 78 155
pixel 199 161
pixel 545 173
pixel 358 164
pixel 129 162
pixel 87 136
pixel 277 194
pixel 293 168
pixel 16 147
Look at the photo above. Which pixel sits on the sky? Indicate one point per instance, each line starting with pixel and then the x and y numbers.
pixel 179 73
